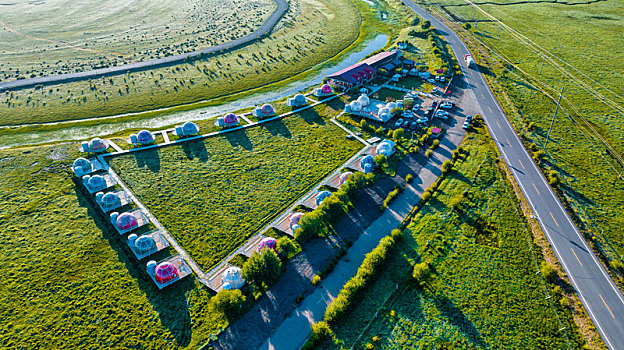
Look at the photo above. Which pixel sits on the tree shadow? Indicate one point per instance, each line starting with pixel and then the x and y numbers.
pixel 195 149
pixel 485 70
pixel 457 318
pixel 311 117
pixel 149 158
pixel 239 138
pixel 170 303
pixel 278 128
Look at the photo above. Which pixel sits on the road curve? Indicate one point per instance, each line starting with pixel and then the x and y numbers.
pixel 598 293
pixel 264 30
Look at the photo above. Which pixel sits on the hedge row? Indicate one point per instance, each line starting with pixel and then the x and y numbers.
pixel 315 223
pixel 373 261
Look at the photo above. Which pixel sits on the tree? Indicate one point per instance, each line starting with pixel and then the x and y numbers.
pixel 262 268
pixel 286 247
pixel 398 134
pixel 421 272
pixel 380 160
pixel 426 25
pixel 229 302
pixel 549 272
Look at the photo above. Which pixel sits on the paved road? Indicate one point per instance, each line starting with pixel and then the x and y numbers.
pixel 264 30
pixel 598 293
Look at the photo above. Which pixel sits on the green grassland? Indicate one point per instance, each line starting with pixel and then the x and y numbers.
pixel 63 36
pixel 311 32
pixel 483 291
pixel 584 40
pixel 212 195
pixel 69 280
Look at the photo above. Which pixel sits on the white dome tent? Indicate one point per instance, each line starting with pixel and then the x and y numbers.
pixel 232 278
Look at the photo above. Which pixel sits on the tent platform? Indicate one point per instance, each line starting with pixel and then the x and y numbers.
pixel 124 199
pixel 110 182
pixel 161 243
pixel 141 219
pixel 180 265
pixel 284 224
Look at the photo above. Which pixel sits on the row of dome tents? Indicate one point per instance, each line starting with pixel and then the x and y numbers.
pixel 100 183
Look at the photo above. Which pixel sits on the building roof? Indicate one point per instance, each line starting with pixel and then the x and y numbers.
pixel 353 73
pixel 382 56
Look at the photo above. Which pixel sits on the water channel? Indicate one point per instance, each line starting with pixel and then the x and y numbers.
pixel 77 132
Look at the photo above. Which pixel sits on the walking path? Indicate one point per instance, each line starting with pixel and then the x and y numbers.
pixel 264 30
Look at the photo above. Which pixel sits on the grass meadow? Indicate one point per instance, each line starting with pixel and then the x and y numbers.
pixel 214 194
pixel 65 36
pixel 584 42
pixel 312 32
pixel 69 280
pixel 483 291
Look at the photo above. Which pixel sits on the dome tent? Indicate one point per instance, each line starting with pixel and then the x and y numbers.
pixel 232 278
pixel 320 197
pixel 353 107
pixel 385 147
pixel 124 221
pixel 82 166
pixel 345 176
pixel 268 242
pixel 384 113
pixel 144 245
pixel 165 272
pixel 109 201
pixel 294 220
pixel 95 182
pixel 186 129
pixel 368 164
pixel 296 101
pixel 227 120
pixel 364 100
pixel 143 137
pixel 94 145
pixel 266 110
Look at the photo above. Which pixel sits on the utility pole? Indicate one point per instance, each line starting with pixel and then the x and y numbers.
pixel 553 119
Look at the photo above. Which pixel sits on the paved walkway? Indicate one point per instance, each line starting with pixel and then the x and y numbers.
pixel 295 329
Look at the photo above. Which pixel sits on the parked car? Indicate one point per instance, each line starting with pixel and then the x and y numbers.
pixel 442 79
pixel 437 78
pixel 414 125
pixel 447 105
pixel 431 81
pixel 407 114
pixel 469 118
pixel 435 90
pixel 416 106
pixel 434 103
pixel 442 115
pixel 398 123
pixel 423 120
pixel 466 125
pixel 406 124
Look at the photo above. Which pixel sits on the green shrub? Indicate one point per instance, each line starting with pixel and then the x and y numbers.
pixel 553 177
pixel 398 134
pixel 426 25
pixel 262 268
pixel 409 178
pixel 467 26
pixel 426 195
pixel 286 247
pixel 435 144
pixel 316 280
pixel 381 160
pixel 391 196
pixel 447 166
pixel 373 261
pixel 229 302
pixel 429 153
pixel 421 272
pixel 320 332
pixel 549 272
pixel 396 234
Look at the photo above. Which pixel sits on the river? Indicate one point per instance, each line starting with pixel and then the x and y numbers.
pixel 106 128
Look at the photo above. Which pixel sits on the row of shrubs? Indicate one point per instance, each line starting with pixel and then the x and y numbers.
pixel 365 275
pixel 391 196
pixel 315 223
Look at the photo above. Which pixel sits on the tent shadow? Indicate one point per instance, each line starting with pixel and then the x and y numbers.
pixel 149 158
pixel 170 303
pixel 195 149
pixel 277 128
pixel 239 138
